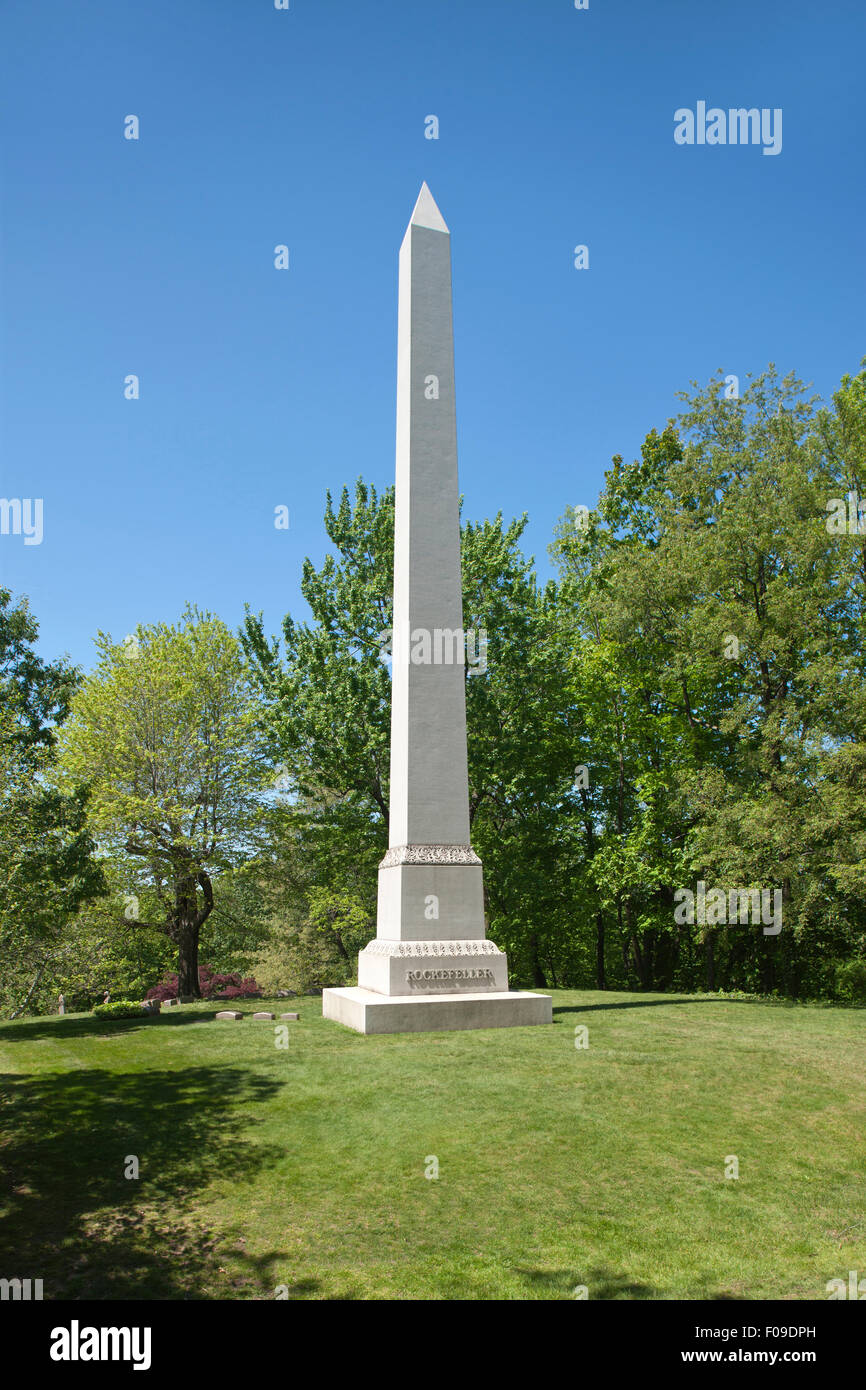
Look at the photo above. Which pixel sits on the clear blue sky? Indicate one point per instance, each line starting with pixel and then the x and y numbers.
pixel 306 127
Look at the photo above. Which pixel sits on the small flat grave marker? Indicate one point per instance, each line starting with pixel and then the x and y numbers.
pixel 229 1013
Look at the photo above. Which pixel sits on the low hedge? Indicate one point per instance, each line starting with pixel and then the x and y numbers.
pixel 123 1008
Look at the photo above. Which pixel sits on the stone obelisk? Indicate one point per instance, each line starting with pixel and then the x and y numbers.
pixel 430 966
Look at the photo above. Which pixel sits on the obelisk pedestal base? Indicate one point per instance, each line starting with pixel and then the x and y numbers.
pixel 431 986
pixel 368 1012
pixel 432 967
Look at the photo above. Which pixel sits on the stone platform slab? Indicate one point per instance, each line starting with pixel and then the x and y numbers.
pixel 367 1012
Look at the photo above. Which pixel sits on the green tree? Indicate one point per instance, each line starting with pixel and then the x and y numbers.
pixel 725 622
pixel 165 731
pixel 47 870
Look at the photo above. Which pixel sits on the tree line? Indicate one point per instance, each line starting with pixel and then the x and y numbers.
pixel 680 711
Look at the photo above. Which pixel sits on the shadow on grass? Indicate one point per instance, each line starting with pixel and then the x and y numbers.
pixel 88 1026
pixel 647 1004
pixel 600 1284
pixel 302 1287
pixel 768 1000
pixel 72 1218
pixel 603 1285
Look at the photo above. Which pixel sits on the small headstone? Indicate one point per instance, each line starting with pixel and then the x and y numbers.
pixel 61 1005
pixel 294 1016
pixel 229 1013
pixel 285 994
pixel 169 1003
pixel 264 1015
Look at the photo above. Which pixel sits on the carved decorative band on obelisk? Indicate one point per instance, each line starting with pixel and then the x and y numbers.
pixel 430 966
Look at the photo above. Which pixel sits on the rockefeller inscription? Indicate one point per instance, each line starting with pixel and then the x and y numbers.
pixel 468 976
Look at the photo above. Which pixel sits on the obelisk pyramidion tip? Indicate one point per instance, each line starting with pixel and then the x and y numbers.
pixel 426 213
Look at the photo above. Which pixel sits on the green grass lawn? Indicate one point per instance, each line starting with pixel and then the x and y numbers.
pixel 558 1167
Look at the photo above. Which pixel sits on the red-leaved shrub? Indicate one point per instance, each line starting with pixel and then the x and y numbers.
pixel 211 984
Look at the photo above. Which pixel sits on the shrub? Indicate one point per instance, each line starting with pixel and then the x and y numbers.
pixel 121 1008
pixel 212 986
pixel 851 981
